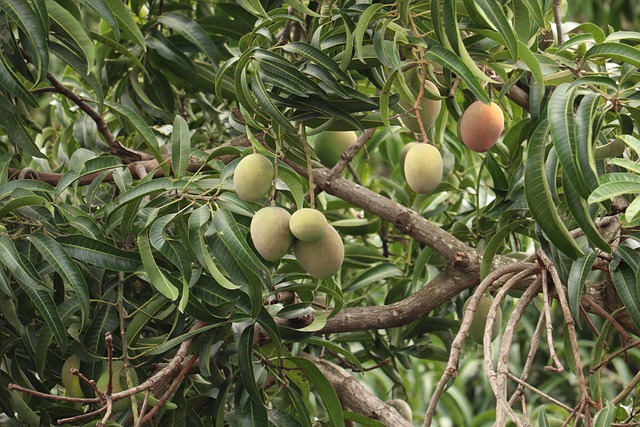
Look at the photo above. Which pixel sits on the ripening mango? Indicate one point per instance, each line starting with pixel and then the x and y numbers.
pixel 329 146
pixel 323 258
pixel 481 125
pixel 423 168
pixel 71 382
pixel 428 108
pixel 270 232
pixel 308 225
pixel 476 332
pixel 253 177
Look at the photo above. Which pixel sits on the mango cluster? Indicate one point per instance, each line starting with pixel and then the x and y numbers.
pixel 316 244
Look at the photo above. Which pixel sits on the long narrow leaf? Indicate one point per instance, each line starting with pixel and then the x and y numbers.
pixel 580 269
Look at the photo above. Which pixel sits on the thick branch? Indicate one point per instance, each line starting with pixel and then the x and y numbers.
pixel 357 397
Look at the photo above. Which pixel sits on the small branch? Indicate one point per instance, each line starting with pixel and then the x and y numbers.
pixel 538 392
pixel 558 20
pixel 533 349
pixel 351 152
pixel 624 336
pixel 614 355
pixel 547 316
pixel 452 365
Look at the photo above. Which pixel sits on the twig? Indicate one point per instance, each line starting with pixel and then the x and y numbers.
pixel 80 417
pixel 570 322
pixel 537 391
pixel 614 355
pixel 624 336
pixel 498 378
pixel 558 21
pixel 627 389
pixel 533 349
pixel 547 315
pixel 452 365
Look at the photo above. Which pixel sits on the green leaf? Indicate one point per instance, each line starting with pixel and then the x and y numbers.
pixel 450 60
pixel 372 275
pixel 617 51
pixel 143 316
pixel 604 417
pixel 66 267
pixel 30 22
pixel 497 19
pixel 156 277
pixel 580 270
pixel 169 344
pixel 100 254
pixel 330 345
pixel 318 57
pixel 229 232
pixel 494 244
pixel 624 280
pixel 193 32
pixel 586 130
pixel 70 29
pixel 12 84
pixel 538 194
pixel 105 12
pixel 245 364
pixel 180 146
pixel 40 297
pixel 126 22
pixel 269 107
pixel 563 134
pixel 362 420
pixel 324 389
pixel 610 190
pixel 20 198
pixel 370 13
pixel 532 63
pixel 293 182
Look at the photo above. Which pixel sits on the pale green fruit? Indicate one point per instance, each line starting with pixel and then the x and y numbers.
pixel 253 177
pixel 481 125
pixel 71 382
pixel 323 258
pixel 270 232
pixel 308 225
pixel 402 407
pixel 119 383
pixel 329 146
pixel 428 108
pixel 423 168
pixel 403 154
pixel 476 332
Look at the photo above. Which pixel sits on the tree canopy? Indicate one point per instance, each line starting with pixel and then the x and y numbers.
pixel 152 153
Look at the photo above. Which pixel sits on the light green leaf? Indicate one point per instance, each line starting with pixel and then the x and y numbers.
pixel 375 274
pixel 604 417
pixel 12 84
pixel 105 12
pixel 610 190
pixel 156 277
pixel 617 51
pixel 126 22
pixel 369 14
pixel 497 19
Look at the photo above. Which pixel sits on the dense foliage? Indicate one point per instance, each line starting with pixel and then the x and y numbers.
pixel 124 241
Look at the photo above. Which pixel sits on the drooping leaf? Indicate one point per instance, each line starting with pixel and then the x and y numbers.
pixel 580 269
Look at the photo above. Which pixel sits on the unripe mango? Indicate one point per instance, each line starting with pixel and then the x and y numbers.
pixel 481 125
pixel 476 332
pixel 329 146
pixel 428 108
pixel 253 177
pixel 71 382
pixel 323 258
pixel 308 225
pixel 403 154
pixel 118 383
pixel 270 232
pixel 423 168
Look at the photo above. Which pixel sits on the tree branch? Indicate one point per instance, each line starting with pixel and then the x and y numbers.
pixel 355 396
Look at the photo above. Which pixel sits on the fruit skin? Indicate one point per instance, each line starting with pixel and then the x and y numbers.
pixel 308 225
pixel 71 382
pixel 423 168
pixel 476 332
pixel 329 146
pixel 481 125
pixel 253 177
pixel 323 258
pixel 270 232
pixel 428 108
pixel 118 383
pixel 403 154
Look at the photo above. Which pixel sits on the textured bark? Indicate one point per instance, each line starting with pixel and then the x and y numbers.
pixel 356 396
